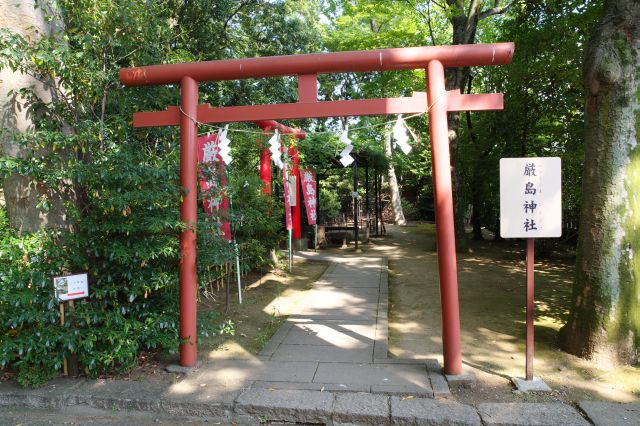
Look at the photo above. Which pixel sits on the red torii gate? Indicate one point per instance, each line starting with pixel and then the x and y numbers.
pixel 437 102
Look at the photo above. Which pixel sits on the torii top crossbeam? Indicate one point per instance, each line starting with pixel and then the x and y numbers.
pixel 436 101
pixel 407 58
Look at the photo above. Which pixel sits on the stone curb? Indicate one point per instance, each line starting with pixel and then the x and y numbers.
pixel 249 406
pixel 262 405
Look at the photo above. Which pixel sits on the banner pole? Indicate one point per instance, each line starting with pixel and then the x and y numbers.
pixel 238 271
pixel 290 252
pixel 315 237
pixel 235 243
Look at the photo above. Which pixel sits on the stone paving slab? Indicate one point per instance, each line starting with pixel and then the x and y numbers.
pixel 322 387
pixel 54 394
pixel 362 312
pixel 276 339
pixel 403 390
pixel 373 374
pixel 530 414
pixel 611 413
pixel 373 283
pixel 234 372
pixel 437 379
pixel 177 399
pixel 342 297
pixel 360 408
pixel 324 353
pixel 355 274
pixel 330 334
pixel 422 411
pixel 286 405
pixel 365 327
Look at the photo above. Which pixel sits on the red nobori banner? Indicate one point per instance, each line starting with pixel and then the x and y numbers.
pixel 287 200
pixel 308 181
pixel 213 182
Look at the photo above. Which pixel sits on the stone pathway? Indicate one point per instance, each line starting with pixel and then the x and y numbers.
pixel 342 330
pixel 337 342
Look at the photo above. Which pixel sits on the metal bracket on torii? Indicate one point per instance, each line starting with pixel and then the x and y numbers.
pixel 437 101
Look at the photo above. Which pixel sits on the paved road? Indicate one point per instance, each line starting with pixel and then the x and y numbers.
pixel 27 416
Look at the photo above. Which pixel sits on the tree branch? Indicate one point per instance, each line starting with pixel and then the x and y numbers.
pixel 235 12
pixel 458 3
pixel 471 22
pixel 495 10
pixel 427 17
pixel 440 5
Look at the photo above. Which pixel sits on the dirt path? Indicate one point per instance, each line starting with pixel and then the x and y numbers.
pixel 492 294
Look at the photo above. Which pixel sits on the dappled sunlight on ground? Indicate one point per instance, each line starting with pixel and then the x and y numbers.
pixel 268 299
pixel 492 285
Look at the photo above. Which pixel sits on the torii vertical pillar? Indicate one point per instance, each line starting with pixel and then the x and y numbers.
pixel 189 217
pixel 438 132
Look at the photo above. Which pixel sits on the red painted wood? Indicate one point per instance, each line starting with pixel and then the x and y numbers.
pixel 207 114
pixel 267 113
pixel 271 125
pixel 308 88
pixel 456 101
pixel 435 58
pixel 189 216
pixel 265 155
pixel 438 130
pixel 356 61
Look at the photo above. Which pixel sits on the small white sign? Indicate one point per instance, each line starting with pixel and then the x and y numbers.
pixel 71 287
pixel 530 197
pixel 293 182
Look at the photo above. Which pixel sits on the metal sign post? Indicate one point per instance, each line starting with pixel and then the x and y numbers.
pixel 530 309
pixel 530 207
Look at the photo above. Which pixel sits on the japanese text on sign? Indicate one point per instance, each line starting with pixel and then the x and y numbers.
pixel 71 287
pixel 213 182
pixel 530 197
pixel 308 179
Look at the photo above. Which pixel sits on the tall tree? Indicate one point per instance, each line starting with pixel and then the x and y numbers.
pixel 373 24
pixel 604 323
pixel 543 103
pixel 464 17
pixel 396 200
pixel 22 194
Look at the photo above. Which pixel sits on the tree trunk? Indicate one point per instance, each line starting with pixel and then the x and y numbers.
pixel 604 322
pixel 22 194
pixel 464 32
pixel 464 23
pixel 396 201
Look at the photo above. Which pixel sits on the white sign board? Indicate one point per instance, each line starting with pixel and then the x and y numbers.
pixel 71 287
pixel 530 197
pixel 293 182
